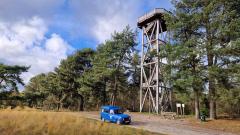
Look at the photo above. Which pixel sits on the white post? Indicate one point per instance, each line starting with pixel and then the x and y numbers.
pixel 183 106
pixel 178 105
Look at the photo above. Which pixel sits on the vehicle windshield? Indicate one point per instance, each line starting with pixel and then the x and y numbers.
pixel 117 112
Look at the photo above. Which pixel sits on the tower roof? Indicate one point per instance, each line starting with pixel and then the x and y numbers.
pixel 157 13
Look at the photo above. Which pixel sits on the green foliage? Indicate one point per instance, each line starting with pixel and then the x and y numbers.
pixel 89 79
pixel 9 79
pixel 69 71
pixel 185 53
pixel 107 79
pixel 60 88
pixel 10 76
pixel 203 65
pixel 204 111
pixel 229 101
pixel 205 47
pixel 35 91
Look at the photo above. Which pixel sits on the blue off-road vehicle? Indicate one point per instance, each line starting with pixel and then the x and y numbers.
pixel 114 114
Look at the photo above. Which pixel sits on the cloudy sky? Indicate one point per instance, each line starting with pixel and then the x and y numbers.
pixel 39 33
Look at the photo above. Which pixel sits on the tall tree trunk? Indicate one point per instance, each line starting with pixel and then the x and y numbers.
pixel 210 58
pixel 104 94
pixel 211 85
pixel 114 91
pixel 212 101
pixel 61 106
pixel 171 100
pixel 196 92
pixel 58 106
pixel 196 102
pixel 81 105
pixel 60 102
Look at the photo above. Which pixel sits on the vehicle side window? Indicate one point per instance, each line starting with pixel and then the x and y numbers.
pixel 106 111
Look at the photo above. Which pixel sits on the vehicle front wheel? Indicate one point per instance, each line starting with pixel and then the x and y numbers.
pixel 118 122
pixel 103 120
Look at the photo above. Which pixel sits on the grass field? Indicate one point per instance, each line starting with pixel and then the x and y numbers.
pixel 13 122
pixel 228 125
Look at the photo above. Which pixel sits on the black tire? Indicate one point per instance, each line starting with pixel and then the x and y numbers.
pixel 118 122
pixel 102 119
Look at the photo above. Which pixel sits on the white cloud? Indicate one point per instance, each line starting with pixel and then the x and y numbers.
pixel 56 45
pixel 94 19
pixel 117 17
pixel 25 43
pixel 100 19
pixel 23 38
pixel 105 26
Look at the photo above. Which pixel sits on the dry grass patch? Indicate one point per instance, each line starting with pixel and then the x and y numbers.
pixel 14 122
pixel 228 125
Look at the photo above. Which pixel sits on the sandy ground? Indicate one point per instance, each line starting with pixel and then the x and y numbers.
pixel 158 124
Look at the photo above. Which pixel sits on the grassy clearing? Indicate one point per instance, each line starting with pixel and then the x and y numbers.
pixel 13 122
pixel 228 125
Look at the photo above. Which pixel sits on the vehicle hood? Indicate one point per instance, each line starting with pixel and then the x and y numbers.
pixel 122 115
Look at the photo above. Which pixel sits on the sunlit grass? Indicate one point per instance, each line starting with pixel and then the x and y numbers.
pixel 227 125
pixel 13 122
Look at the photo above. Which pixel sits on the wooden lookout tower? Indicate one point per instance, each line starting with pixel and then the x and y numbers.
pixel 155 93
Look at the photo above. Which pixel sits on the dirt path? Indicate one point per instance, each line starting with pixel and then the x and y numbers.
pixel 157 124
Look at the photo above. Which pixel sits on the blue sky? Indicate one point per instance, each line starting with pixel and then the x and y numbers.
pixel 82 41
pixel 39 33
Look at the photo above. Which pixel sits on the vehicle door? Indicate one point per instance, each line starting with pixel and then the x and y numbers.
pixel 111 115
pixel 105 114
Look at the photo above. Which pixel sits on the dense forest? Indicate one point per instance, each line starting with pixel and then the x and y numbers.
pixel 203 67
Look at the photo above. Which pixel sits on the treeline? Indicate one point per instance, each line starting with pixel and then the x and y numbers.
pixel 9 81
pixel 88 79
pixel 203 67
pixel 205 54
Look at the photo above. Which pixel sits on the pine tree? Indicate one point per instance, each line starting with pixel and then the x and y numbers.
pixel 221 23
pixel 112 60
pixel 187 62
pixel 213 26
pixel 69 71
pixel 10 76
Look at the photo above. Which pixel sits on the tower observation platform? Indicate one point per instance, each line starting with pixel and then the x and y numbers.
pixel 155 93
pixel 157 13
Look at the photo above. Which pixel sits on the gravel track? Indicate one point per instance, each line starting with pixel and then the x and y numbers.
pixel 158 124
